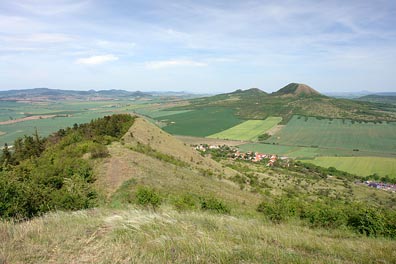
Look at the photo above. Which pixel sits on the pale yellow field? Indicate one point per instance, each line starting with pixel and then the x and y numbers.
pixel 248 130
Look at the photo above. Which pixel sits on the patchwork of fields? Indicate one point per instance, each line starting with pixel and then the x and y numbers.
pixel 248 130
pixel 359 148
pixel 343 144
pixel 362 166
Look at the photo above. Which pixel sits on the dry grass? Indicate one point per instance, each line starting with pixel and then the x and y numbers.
pixel 167 236
pixel 125 164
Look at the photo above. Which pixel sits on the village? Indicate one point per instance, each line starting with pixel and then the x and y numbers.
pixel 229 152
pixel 380 185
pixel 270 160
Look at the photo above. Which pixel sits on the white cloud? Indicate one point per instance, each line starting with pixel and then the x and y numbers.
pixel 42 38
pixel 174 63
pixel 95 60
pixel 49 38
pixel 50 7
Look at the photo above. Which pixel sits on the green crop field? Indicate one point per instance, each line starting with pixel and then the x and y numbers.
pixel 248 130
pixel 156 113
pixel 338 134
pixel 362 166
pixel 202 122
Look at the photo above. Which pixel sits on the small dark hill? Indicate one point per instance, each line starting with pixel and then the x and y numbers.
pixel 249 92
pixel 297 89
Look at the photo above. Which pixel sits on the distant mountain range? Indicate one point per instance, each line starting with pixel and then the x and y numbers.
pixel 389 98
pixel 47 94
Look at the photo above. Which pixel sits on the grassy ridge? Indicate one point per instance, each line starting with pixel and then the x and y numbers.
pixel 248 130
pixel 362 166
pixel 202 122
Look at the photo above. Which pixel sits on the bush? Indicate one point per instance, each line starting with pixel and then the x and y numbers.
pixel 279 209
pixel 146 196
pixel 368 221
pixel 213 204
pixel 185 202
pixel 322 214
pixel 99 151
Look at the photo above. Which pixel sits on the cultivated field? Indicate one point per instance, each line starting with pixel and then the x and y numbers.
pixel 157 113
pixel 337 134
pixel 248 130
pixel 202 122
pixel 362 166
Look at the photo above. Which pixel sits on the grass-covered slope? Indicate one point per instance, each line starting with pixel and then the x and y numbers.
pixel 152 157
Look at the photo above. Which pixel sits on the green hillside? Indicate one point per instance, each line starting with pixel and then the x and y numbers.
pixel 141 195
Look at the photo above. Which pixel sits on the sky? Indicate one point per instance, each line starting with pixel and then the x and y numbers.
pixel 198 46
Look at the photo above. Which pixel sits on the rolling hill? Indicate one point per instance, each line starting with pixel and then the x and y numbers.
pixel 295 99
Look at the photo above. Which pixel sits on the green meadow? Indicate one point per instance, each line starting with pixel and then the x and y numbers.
pixel 201 123
pixel 362 166
pixel 248 130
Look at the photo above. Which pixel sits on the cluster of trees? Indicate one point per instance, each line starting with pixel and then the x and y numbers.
pixel 43 174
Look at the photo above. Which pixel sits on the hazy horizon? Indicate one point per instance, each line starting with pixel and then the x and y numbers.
pixel 197 46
